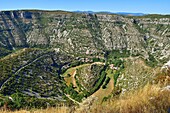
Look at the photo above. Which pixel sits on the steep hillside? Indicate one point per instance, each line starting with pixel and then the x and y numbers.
pixel 82 33
pixel 52 57
pixel 34 72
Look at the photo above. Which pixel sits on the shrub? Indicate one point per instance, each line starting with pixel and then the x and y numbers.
pixel 116 75
pixel 152 62
pixel 99 82
pixel 106 82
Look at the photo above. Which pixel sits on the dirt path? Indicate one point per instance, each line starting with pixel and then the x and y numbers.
pixel 73 79
pixel 72 71
pixel 73 99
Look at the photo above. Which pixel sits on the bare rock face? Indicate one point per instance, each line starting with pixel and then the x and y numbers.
pixel 77 33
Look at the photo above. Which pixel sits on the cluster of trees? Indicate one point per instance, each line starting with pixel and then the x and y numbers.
pixel 114 54
pixel 74 94
pixel 106 82
pixel 116 75
pixel 99 82
pixel 72 64
pixel 98 60
pixel 152 62
pixel 4 52
pixel 20 101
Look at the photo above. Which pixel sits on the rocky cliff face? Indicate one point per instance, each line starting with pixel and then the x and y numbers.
pixel 37 47
pixel 82 33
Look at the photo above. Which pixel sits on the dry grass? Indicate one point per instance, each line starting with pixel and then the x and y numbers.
pixel 150 99
pixel 101 93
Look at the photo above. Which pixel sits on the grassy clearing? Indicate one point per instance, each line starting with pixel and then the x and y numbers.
pixel 101 93
pixel 70 79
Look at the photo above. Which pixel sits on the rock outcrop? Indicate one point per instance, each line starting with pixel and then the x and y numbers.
pixel 82 32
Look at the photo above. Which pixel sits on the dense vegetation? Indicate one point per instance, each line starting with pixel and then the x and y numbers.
pixel 18 101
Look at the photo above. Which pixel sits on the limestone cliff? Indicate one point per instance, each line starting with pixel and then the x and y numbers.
pixel 82 32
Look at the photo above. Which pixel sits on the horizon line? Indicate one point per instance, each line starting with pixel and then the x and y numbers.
pixel 104 11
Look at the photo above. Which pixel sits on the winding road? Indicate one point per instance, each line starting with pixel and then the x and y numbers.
pixel 23 68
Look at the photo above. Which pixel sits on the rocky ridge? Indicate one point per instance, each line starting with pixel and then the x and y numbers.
pixel 82 32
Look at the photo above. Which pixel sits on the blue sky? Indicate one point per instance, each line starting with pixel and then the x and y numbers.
pixel 142 6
